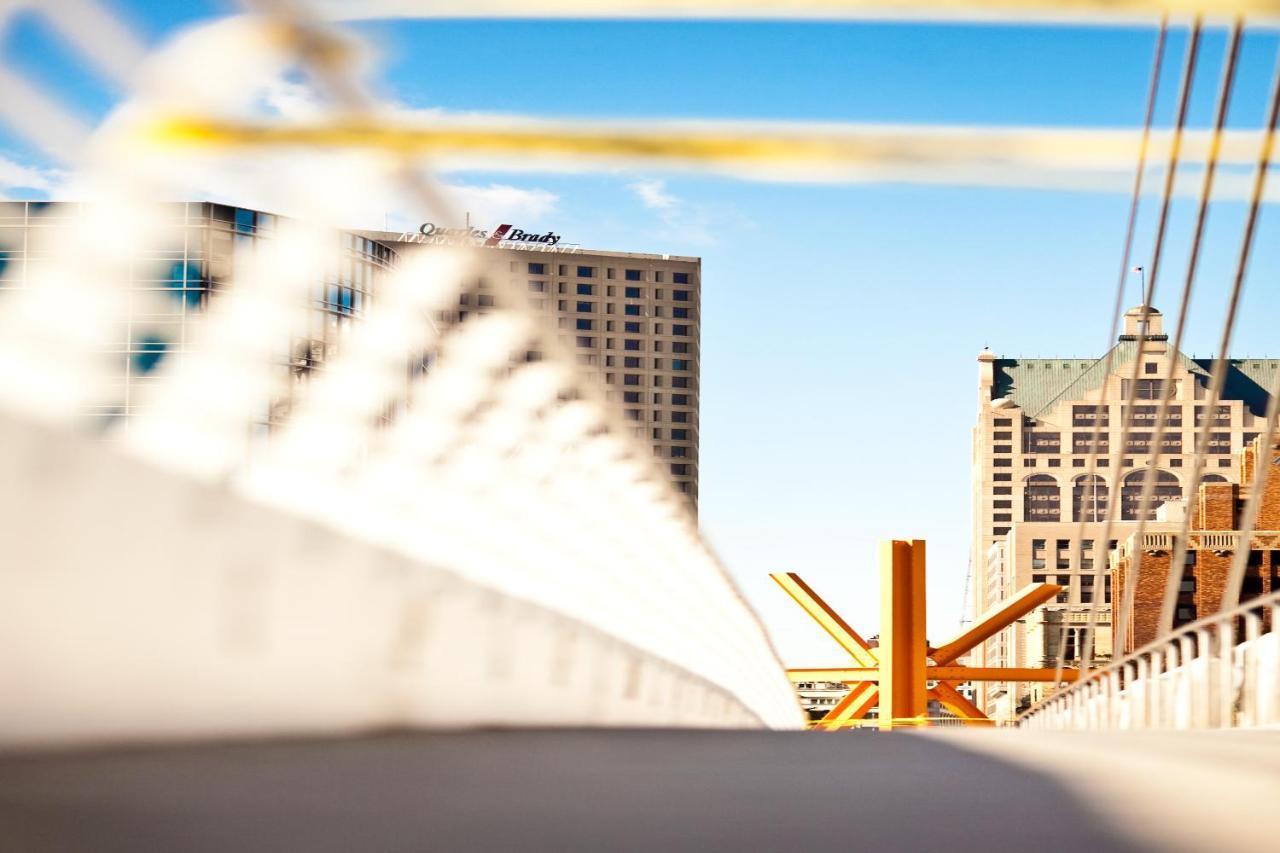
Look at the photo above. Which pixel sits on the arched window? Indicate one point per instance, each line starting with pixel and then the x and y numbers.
pixel 1041 499
pixel 1213 478
pixel 1089 498
pixel 1166 489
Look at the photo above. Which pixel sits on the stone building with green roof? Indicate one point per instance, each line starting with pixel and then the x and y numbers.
pixel 1036 425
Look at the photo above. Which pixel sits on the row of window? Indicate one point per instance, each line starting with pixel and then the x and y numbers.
pixel 627 292
pixel 659 276
pixel 1104 462
pixel 585 324
pixel 676 400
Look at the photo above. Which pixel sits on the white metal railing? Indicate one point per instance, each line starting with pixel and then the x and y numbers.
pixel 1220 672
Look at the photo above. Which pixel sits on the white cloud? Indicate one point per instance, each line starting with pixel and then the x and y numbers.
pixel 18 176
pixel 492 202
pixel 290 100
pixel 653 195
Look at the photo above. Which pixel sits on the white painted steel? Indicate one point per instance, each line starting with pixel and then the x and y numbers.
pixel 1199 677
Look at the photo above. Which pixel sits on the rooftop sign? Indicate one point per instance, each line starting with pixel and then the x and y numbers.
pixel 507 236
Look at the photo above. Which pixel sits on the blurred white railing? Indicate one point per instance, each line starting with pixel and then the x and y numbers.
pixel 1220 672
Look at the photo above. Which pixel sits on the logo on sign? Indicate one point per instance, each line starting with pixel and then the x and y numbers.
pixel 502 234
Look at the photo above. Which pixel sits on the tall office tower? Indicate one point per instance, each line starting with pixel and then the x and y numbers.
pixel 1031 486
pixel 632 319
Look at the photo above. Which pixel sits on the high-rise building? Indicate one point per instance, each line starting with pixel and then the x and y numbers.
pixel 1031 486
pixel 632 319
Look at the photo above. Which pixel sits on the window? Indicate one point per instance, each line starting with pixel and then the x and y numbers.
pixel 484 300
pixel 679 469
pixel 1002 448
pixel 680 278
pixel 1082 442
pixel 679 435
pixel 586 306
pixel 1002 516
pixel 680 295
pixel 678 417
pixel 680 313
pixel 631 310
pixel 1002 463
pixel 1166 489
pixel 586 289
pixel 999 531
pixel 1002 490
pixel 631 344
pixel 679 451
pixel 659 275
pixel 586 272
pixel 1002 504
pixel 538 286
pixel 1042 442
pixel 631 397
pixel 676 381
pixel 632 327
pixel 679 364
pixel 680 330
pixel 1089 498
pixel 1149 389
pixel 585 341
pixel 679 399
pixel 537 269
pixel 1150 368
pixel 1055 463
pixel 584 325
pixel 1087 416
pixel 631 361
pixel 631 379
pixel 1003 422
pixel 1041 499
pixel 1001 477
pixel 634 275
pixel 633 293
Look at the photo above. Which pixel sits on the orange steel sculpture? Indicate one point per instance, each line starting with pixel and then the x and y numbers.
pixel 896 674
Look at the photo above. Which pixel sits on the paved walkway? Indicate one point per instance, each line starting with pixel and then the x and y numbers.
pixel 598 791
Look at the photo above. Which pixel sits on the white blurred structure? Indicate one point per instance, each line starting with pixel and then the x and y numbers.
pixel 436 529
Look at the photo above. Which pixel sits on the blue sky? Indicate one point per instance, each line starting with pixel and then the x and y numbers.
pixel 840 322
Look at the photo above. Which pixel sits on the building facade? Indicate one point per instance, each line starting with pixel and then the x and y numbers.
pixel 1213 540
pixel 1031 487
pixel 633 320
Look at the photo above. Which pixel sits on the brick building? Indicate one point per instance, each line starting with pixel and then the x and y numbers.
pixel 1214 538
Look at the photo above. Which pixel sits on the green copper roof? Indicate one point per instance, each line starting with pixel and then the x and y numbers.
pixel 1036 385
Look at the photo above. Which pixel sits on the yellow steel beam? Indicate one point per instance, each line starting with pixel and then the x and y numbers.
pixel 994 620
pixel 1076 10
pixel 903 649
pixel 936 673
pixel 1050 157
pixel 854 706
pixel 955 702
pixel 824 615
